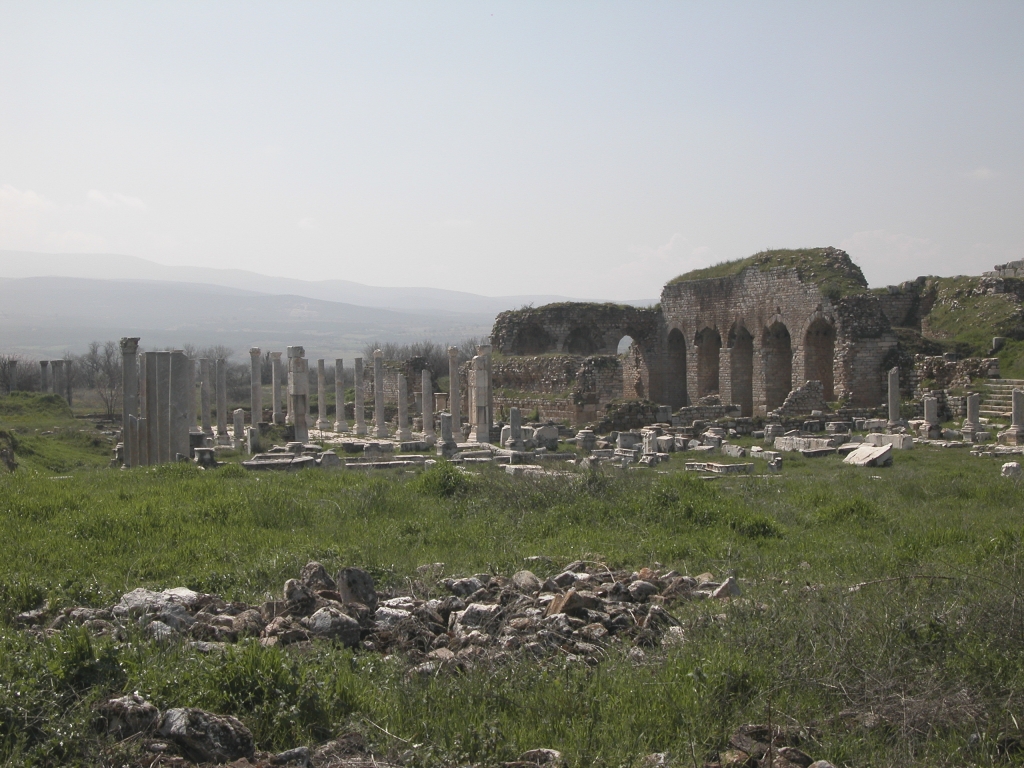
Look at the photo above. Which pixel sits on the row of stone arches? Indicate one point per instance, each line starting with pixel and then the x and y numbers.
pixel 733 364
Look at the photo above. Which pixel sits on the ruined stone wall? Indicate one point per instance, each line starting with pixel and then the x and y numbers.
pixel 412 368
pixel 774 330
pixel 573 328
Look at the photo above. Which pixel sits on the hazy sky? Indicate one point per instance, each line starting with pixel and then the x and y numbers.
pixel 589 149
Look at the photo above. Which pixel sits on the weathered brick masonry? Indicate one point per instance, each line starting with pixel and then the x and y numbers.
pixel 749 338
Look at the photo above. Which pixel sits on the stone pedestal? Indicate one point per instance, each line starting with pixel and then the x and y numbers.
pixel 427 405
pixel 44 376
pixel 298 392
pixel 204 396
pixel 972 424
pixel 129 397
pixel 894 398
pixel 321 396
pixel 380 428
pixel 404 433
pixel 222 401
pixel 1015 434
pixel 359 405
pixel 454 400
pixel 276 377
pixel 181 404
pixel 340 422
pixel 255 386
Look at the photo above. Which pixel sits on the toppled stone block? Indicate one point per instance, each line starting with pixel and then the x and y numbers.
pixel 206 738
pixel 868 455
pixel 1011 469
pixel 899 442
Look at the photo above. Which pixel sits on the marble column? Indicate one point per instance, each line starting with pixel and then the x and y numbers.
pixel 427 402
pixel 298 392
pixel 485 350
pixel 58 377
pixel 447 447
pixel 275 371
pixel 321 395
pixel 132 446
pixel 454 403
pixel 143 429
pixel 340 422
pixel 152 409
pixel 129 396
pixel 204 395
pixel 380 428
pixel 931 411
pixel 1015 434
pixel 255 386
pixel 515 422
pixel 163 407
pixel 44 376
pixel 222 400
pixel 181 402
pixel 238 427
pixel 404 434
pixel 481 431
pixel 359 404
pixel 894 397
pixel 972 424
pixel 193 393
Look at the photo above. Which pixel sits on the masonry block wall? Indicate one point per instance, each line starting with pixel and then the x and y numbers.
pixel 746 339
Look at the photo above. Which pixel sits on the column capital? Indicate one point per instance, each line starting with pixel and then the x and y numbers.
pixel 254 352
pixel 129 345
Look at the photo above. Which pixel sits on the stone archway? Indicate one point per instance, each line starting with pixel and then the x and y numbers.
pixel 741 363
pixel 777 357
pixel 580 341
pixel 819 355
pixel 675 370
pixel 708 343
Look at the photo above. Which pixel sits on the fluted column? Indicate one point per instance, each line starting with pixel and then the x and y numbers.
pixel 359 404
pixel 129 396
pixel 454 401
pixel 255 386
pixel 340 422
pixel 380 429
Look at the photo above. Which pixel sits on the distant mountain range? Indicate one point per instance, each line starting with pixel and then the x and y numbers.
pixel 50 303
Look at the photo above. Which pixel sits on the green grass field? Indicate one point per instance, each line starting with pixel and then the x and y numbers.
pixel 922 666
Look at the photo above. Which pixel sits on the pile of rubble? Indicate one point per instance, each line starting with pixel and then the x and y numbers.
pixel 575 614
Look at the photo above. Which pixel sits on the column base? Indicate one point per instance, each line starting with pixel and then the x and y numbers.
pixel 1012 436
pixel 323 425
pixel 341 426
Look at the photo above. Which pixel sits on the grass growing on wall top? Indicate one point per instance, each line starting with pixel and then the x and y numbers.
pixel 830 269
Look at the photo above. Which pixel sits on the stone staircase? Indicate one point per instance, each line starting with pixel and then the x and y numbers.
pixel 997 402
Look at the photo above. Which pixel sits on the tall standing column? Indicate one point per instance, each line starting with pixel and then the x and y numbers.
pixel 380 429
pixel 129 395
pixel 972 424
pixel 133 441
pixel 894 397
pixel 427 398
pixel 481 431
pixel 163 404
pixel 204 395
pixel 255 386
pixel 275 372
pixel 340 422
pixel 192 394
pixel 359 401
pixel 485 350
pixel 222 400
pixel 44 376
pixel 152 409
pixel 298 392
pixel 1015 434
pixel 404 434
pixel 454 402
pixel 321 395
pixel 181 401
pixel 58 377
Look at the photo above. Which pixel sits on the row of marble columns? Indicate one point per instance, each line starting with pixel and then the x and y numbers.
pixel 52 377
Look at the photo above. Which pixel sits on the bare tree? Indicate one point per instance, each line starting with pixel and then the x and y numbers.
pixel 8 372
pixel 101 370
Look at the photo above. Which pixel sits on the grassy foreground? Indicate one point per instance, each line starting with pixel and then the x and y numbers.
pixel 924 665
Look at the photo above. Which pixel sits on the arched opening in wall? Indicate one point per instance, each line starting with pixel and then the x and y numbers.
pixel 634 370
pixel 777 354
pixel 741 343
pixel 709 343
pixel 580 342
pixel 675 370
pixel 532 339
pixel 819 355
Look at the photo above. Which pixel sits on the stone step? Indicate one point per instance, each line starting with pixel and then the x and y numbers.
pixel 997 414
